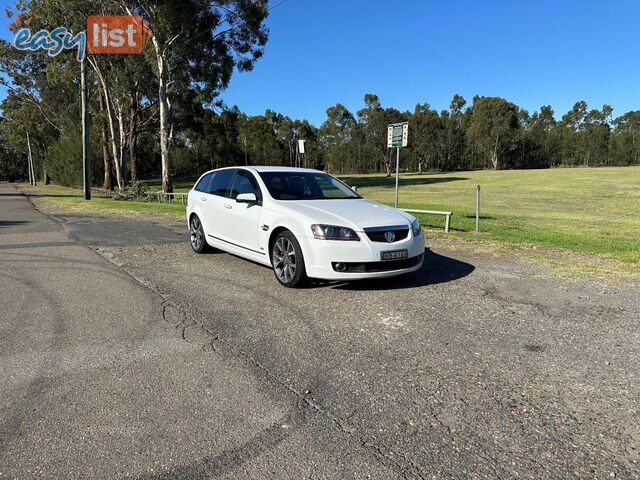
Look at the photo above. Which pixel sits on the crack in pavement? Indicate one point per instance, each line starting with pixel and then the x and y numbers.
pixel 383 454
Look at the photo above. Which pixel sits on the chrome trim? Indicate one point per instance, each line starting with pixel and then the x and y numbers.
pixel 384 229
pixel 234 244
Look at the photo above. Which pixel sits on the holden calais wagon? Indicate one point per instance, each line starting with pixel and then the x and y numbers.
pixel 303 223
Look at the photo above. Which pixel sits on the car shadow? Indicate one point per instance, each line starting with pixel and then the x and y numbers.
pixel 435 269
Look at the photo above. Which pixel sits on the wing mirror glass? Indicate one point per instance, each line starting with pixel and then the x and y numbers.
pixel 247 198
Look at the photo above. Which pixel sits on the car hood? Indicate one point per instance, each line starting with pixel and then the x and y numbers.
pixel 357 213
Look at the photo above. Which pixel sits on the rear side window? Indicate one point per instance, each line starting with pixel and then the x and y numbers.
pixel 203 184
pixel 221 182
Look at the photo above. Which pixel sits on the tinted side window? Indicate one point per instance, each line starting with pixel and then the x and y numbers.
pixel 203 184
pixel 220 183
pixel 244 182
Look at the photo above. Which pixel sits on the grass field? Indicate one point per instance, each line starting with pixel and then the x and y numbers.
pixel 56 199
pixel 554 216
pixel 593 211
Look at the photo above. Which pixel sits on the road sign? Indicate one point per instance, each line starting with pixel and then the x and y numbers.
pixel 398 135
pixel 301 146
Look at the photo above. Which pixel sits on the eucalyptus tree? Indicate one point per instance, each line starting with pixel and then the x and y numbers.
pixel 335 134
pixel 196 45
pixel 494 128
pixel 374 120
pixel 626 146
pixel 427 135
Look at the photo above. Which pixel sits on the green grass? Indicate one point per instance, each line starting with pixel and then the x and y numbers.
pixel 593 211
pixel 579 221
pixel 60 200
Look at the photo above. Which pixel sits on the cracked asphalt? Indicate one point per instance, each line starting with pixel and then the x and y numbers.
pixel 123 354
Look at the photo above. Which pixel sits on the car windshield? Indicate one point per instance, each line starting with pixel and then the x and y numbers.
pixel 306 186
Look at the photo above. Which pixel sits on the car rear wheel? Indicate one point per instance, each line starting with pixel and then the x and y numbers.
pixel 287 260
pixel 196 234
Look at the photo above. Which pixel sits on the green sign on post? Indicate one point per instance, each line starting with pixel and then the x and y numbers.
pixel 397 137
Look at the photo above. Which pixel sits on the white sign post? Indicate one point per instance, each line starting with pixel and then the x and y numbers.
pixel 301 162
pixel 397 136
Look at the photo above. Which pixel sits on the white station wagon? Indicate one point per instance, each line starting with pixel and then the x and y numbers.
pixel 303 223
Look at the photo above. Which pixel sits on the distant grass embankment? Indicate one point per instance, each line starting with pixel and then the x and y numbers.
pixel 579 221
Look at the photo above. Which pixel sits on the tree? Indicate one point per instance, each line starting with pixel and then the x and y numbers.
pixel 427 131
pixel 197 44
pixel 494 128
pixel 374 121
pixel 335 135
pixel 626 142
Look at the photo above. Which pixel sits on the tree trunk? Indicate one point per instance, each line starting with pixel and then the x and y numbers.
pixel 165 121
pixel 106 158
pixel 123 146
pixel 494 154
pixel 133 135
pixel 112 130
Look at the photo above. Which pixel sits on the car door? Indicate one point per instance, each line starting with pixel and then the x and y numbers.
pixel 217 196
pixel 242 219
pixel 198 197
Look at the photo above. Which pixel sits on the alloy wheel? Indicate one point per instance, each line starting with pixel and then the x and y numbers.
pixel 284 259
pixel 196 234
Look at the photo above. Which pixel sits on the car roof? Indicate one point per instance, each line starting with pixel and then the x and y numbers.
pixel 266 168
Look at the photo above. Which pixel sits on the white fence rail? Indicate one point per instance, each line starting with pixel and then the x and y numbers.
pixel 447 222
pixel 161 197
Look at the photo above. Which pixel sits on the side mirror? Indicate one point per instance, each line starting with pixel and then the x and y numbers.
pixel 354 188
pixel 246 198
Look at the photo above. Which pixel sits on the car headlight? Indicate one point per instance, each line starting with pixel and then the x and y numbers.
pixel 416 227
pixel 333 232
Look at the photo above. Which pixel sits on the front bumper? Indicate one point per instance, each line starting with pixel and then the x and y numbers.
pixel 362 259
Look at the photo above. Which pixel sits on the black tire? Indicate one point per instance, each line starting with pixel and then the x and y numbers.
pixel 287 260
pixel 196 235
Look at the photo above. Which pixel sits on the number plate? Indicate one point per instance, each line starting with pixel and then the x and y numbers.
pixel 394 255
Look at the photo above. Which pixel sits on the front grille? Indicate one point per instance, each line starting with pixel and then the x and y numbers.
pixel 379 235
pixel 371 267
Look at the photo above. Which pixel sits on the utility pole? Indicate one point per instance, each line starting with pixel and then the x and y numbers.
pixel 86 160
pixel 32 172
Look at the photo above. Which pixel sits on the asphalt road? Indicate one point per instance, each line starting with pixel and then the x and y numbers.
pixel 123 354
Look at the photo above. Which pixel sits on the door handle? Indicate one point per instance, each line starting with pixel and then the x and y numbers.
pixel 204 199
pixel 227 206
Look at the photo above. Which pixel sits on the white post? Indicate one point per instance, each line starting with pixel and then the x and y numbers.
pixel 478 208
pixel 397 173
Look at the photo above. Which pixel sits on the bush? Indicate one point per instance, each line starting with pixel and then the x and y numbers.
pixel 64 160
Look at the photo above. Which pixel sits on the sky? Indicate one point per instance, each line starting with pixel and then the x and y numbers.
pixel 531 52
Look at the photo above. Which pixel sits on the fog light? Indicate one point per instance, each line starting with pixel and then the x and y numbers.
pixel 341 267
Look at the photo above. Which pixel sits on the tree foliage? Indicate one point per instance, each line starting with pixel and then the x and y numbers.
pixel 158 114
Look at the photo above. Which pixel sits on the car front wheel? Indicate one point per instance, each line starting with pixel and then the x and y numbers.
pixel 196 234
pixel 287 260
